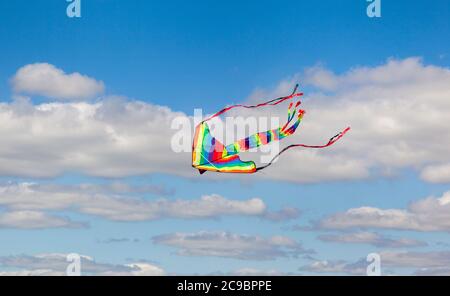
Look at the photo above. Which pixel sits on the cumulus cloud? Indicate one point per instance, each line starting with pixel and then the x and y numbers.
pixel 429 214
pixel 439 173
pixel 111 138
pixel 43 79
pixel 398 113
pixel 32 197
pixel 225 244
pixel 371 238
pixel 56 264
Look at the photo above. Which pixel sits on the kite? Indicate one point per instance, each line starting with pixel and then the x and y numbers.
pixel 209 154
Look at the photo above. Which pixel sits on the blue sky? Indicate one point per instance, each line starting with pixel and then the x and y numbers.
pixel 186 55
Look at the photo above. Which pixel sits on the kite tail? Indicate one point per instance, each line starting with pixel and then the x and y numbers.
pixel 268 103
pixel 330 142
pixel 291 113
pixel 284 131
pixel 263 138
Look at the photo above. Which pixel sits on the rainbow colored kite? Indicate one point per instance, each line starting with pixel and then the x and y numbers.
pixel 209 154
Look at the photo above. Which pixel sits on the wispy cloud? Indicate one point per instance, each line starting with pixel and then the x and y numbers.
pixel 398 262
pixel 429 214
pixel 113 240
pixel 36 198
pixel 250 271
pixel 431 259
pixel 36 220
pixel 371 238
pixel 287 213
pixel 56 264
pixel 334 267
pixel 225 244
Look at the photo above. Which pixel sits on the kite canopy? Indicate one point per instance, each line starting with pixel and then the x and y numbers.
pixel 209 154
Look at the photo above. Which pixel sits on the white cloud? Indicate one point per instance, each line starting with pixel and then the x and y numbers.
pixel 85 199
pixel 111 138
pixel 46 80
pixel 145 269
pixel 224 244
pixel 429 214
pixel 35 220
pixel 56 264
pixel 398 113
pixel 371 238
pixel 423 263
pixel 113 240
pixel 248 271
pixel 37 272
pixel 440 271
pixel 434 259
pixel 436 173
pixel 211 206
pixel 335 266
